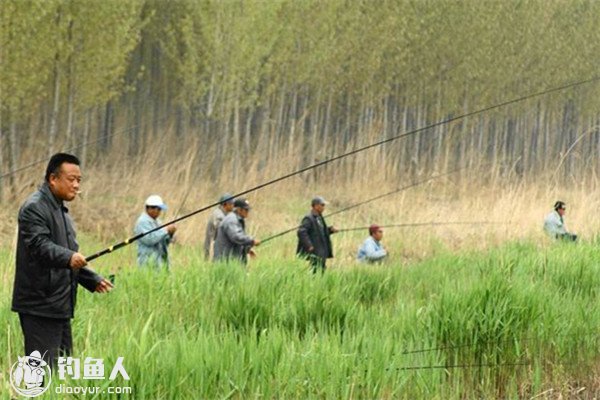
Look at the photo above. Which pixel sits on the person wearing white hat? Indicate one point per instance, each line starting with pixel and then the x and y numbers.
pixel 153 248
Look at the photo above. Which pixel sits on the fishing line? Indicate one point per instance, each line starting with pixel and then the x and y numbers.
pixel 466 345
pixel 418 224
pixel 460 366
pixel 339 157
pixel 417 183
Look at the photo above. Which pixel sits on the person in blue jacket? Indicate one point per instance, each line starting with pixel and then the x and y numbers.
pixel 153 248
pixel 372 251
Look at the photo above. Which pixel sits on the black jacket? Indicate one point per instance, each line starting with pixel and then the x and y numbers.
pixel 45 285
pixel 311 235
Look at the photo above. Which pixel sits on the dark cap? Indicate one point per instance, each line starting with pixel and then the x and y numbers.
pixel 241 203
pixel 559 204
pixel 318 200
pixel 226 198
pixel 373 229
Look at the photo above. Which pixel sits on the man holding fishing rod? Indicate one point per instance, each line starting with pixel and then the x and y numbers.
pixel 232 242
pixel 48 264
pixel 225 207
pixel 314 241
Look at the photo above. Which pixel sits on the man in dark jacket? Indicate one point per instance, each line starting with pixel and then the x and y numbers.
pixel 48 265
pixel 314 241
pixel 233 243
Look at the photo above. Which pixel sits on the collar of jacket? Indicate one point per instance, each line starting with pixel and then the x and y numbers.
pixel 149 218
pixel 315 214
pixel 56 203
pixel 559 216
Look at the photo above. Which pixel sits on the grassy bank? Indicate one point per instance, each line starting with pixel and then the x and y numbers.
pixel 275 331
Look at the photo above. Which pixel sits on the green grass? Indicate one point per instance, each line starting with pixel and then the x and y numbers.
pixel 276 331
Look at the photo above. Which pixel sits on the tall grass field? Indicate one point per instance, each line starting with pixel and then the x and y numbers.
pixel 518 320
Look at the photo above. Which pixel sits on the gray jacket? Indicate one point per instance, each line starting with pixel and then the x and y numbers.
pixel 44 283
pixel 152 248
pixel 211 229
pixel 232 241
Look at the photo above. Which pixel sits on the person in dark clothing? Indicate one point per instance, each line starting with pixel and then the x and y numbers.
pixel 48 264
pixel 314 241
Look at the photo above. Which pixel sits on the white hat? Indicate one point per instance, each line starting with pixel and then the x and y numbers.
pixel 156 201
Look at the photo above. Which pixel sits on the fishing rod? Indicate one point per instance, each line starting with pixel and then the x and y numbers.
pixel 461 366
pixel 339 157
pixel 185 197
pixel 595 334
pixel 418 224
pixel 72 149
pixel 461 346
pixel 400 189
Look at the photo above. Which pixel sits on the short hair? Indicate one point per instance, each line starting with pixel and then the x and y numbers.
pixel 373 229
pixel 57 160
pixel 559 204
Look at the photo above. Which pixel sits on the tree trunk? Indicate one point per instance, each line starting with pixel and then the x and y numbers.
pixel 70 92
pixel 55 109
pixel 107 127
pixel 236 139
pixel 209 105
pixel 314 137
pixel 156 85
pixel 70 115
pixel 56 96
pixel 86 135
pixel 279 124
pixel 294 115
pixel 179 122
pixel 1 155
pixel 247 138
pixel 13 156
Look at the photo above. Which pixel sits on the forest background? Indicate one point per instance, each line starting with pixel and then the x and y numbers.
pixel 190 99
